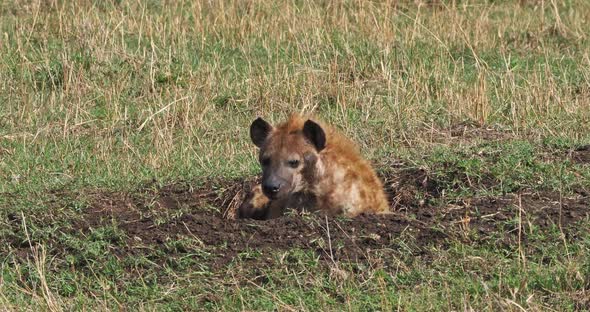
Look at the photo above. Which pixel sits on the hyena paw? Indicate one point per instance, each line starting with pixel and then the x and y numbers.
pixel 255 206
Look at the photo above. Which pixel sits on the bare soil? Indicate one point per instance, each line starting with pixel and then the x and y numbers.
pixel 581 154
pixel 160 216
pixel 155 217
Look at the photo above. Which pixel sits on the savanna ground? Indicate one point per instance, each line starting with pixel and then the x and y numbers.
pixel 124 152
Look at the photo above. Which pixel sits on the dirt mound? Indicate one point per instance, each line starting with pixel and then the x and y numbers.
pixel 465 133
pixel 502 218
pixel 581 154
pixel 403 185
pixel 154 219
pixel 205 215
pixel 220 233
pixel 471 130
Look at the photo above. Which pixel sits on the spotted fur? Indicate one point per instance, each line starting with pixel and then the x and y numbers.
pixel 307 165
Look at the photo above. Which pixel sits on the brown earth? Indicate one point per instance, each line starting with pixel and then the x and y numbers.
pixel 174 212
pixel 153 218
pixel 220 232
pixel 464 133
pixel 581 154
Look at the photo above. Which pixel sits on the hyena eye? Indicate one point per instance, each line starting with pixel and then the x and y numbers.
pixel 293 163
pixel 265 161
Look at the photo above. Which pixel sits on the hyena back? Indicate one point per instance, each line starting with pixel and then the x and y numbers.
pixel 308 166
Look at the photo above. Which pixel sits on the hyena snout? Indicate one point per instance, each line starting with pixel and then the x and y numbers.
pixel 273 186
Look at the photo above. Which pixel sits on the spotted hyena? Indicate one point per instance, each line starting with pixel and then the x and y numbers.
pixel 310 166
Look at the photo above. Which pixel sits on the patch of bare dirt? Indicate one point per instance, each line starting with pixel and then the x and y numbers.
pixel 578 155
pixel 470 131
pixel 219 232
pixel 465 133
pixel 581 154
pixel 423 224
pixel 155 217
pixel 504 217
pixel 404 184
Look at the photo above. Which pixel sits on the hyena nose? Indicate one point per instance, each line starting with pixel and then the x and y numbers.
pixel 272 188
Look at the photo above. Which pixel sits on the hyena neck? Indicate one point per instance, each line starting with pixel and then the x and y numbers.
pixel 320 168
pixel 312 174
pixel 313 180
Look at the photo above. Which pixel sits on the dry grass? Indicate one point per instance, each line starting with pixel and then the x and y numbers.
pixel 157 87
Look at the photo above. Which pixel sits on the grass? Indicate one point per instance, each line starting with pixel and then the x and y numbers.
pixel 487 97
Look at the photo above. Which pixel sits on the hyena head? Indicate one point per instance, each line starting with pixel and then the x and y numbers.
pixel 289 154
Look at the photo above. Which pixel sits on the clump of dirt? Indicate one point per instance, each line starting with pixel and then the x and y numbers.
pixel 465 133
pixel 460 134
pixel 404 186
pixel 506 216
pixel 470 131
pixel 581 154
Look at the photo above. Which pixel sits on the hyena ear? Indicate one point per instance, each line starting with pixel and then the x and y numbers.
pixel 259 131
pixel 315 134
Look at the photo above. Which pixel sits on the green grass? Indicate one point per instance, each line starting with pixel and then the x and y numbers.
pixel 111 96
pixel 452 280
